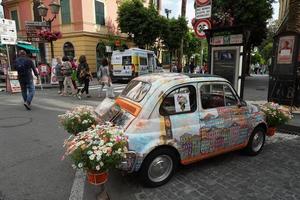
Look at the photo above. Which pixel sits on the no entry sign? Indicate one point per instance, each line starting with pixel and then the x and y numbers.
pixel 200 26
pixel 202 2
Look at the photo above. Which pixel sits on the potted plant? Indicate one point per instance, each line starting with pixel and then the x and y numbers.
pixel 78 119
pixel 97 150
pixel 276 115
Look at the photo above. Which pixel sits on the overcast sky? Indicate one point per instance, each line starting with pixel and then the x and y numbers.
pixel 175 6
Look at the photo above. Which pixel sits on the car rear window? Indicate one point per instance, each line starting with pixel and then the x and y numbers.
pixel 136 90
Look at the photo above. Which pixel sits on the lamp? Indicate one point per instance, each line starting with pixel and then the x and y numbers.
pixel 54 5
pixel 43 10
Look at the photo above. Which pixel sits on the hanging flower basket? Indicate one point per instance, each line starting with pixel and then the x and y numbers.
pixel 96 177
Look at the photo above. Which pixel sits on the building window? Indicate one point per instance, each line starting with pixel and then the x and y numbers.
pixel 69 50
pixel 99 11
pixel 14 16
pixel 65 12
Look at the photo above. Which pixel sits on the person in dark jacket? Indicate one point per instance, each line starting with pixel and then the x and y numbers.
pixel 25 66
pixel 84 76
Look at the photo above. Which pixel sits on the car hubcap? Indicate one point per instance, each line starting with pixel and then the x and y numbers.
pixel 160 168
pixel 258 141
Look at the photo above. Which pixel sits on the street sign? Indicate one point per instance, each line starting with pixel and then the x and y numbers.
pixel 203 12
pixel 203 2
pixel 200 26
pixel 33 28
pixel 8 31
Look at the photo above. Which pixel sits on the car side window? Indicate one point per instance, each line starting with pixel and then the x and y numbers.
pixel 181 100
pixel 230 98
pixel 217 95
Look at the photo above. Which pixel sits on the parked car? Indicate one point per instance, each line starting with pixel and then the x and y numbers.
pixel 173 119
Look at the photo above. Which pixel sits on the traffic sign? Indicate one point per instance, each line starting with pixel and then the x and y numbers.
pixel 8 31
pixel 203 2
pixel 200 26
pixel 203 12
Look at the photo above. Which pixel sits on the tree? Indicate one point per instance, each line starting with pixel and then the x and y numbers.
pixel 174 30
pixel 142 24
pixel 192 45
pixel 254 13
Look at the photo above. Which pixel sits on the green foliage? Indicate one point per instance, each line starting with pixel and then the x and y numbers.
pixel 257 58
pixel 267 51
pixel 192 44
pixel 174 30
pixel 275 114
pixel 253 14
pixel 142 24
pixel 77 120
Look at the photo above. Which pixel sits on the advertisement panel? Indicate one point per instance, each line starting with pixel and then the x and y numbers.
pixel 285 50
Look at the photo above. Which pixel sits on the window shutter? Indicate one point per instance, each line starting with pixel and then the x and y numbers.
pixel 14 16
pixel 99 11
pixel 65 12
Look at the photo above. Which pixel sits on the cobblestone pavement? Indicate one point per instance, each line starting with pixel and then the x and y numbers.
pixel 273 174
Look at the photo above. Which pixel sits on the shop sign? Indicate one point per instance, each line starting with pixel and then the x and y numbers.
pixel 227 39
pixel 8 31
pixel 200 26
pixel 285 50
pixel 236 39
pixel 203 12
pixel 33 28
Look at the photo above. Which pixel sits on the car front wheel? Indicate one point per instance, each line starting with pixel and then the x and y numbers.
pixel 256 141
pixel 158 167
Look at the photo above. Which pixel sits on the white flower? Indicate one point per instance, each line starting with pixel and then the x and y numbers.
pixel 89 153
pixel 73 166
pixel 98 158
pixel 80 165
pixel 97 167
pixel 92 157
pixel 101 164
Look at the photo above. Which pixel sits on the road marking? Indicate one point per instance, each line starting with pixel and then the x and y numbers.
pixel 78 186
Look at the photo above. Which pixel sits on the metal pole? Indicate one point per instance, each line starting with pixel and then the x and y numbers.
pixel 8 58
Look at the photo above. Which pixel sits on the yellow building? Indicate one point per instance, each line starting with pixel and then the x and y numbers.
pixel 87 26
pixel 283 9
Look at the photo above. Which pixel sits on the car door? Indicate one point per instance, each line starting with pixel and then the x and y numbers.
pixel 181 120
pixel 215 118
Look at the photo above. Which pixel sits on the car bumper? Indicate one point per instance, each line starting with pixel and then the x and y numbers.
pixel 129 163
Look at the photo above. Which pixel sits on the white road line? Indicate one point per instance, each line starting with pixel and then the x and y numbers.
pixel 78 186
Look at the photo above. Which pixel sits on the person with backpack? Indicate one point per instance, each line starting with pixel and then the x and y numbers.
pixel 105 79
pixel 25 66
pixel 59 75
pixel 67 72
pixel 84 76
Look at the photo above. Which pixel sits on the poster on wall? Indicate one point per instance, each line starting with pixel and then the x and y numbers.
pixel 182 102
pixel 285 50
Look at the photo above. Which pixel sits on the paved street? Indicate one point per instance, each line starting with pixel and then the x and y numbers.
pixel 31 166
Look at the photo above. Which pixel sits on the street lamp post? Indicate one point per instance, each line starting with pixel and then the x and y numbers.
pixel 167 11
pixel 43 10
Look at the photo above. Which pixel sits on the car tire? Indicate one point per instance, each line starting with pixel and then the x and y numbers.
pixel 256 142
pixel 159 167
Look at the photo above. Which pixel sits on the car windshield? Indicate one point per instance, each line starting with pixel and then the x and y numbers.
pixel 136 90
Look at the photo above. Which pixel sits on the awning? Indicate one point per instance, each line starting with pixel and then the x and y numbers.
pixel 29 47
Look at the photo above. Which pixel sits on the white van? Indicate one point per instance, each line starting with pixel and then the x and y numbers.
pixel 133 62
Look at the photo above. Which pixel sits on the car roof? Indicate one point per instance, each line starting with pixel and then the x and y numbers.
pixel 178 77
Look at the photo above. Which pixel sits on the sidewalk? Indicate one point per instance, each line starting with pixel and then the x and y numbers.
pixel 49 86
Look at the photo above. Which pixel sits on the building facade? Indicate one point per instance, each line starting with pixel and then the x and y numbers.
pixel 88 27
pixel 283 9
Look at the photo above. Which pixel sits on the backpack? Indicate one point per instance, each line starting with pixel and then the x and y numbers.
pixel 67 69
pixel 21 67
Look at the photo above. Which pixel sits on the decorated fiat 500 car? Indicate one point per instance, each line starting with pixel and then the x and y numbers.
pixel 173 119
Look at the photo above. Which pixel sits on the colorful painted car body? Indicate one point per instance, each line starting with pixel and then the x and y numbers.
pixel 190 118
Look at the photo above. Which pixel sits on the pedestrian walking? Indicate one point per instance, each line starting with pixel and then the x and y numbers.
pixel 74 73
pixel 59 75
pixel 25 66
pixel 105 79
pixel 84 76
pixel 67 71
